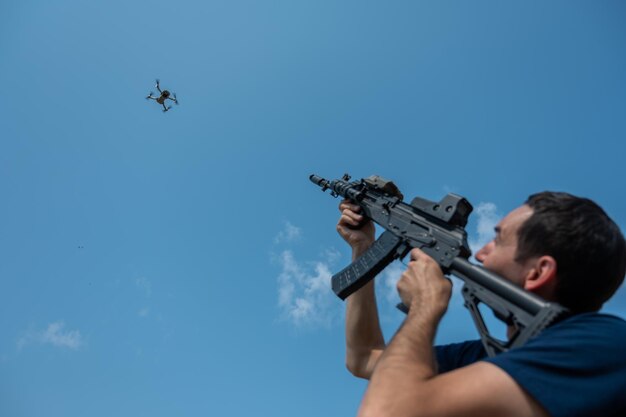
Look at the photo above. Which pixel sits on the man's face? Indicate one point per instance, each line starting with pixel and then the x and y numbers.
pixel 499 255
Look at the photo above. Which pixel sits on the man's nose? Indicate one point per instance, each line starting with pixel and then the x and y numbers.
pixel 483 252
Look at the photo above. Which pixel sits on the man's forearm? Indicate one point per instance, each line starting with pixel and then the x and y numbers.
pixel 403 369
pixel 364 337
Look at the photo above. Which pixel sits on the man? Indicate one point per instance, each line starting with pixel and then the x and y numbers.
pixel 558 246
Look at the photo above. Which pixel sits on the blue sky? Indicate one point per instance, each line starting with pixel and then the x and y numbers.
pixel 178 264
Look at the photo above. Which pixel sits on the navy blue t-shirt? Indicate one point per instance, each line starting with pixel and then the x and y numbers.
pixel 576 367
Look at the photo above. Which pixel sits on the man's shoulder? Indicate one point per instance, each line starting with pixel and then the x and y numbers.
pixel 581 334
pixel 583 341
pixel 596 317
pixel 587 326
pixel 578 337
pixel 581 358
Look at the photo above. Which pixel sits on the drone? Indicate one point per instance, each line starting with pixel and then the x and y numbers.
pixel 165 95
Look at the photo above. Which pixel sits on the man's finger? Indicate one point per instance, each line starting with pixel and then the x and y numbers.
pixel 417 254
pixel 346 204
pixel 345 219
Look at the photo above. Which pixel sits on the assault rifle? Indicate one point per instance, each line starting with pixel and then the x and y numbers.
pixel 437 228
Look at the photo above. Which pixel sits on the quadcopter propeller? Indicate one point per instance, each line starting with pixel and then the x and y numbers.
pixel 175 99
pixel 150 95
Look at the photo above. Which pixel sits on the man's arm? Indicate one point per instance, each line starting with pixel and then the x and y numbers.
pixel 364 337
pixel 405 381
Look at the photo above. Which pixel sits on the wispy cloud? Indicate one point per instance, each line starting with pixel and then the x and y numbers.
pixel 290 233
pixel 488 218
pixel 54 335
pixel 144 285
pixel 144 288
pixel 304 292
pixel 388 279
pixel 305 297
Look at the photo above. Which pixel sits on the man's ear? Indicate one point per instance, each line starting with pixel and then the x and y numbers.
pixel 541 276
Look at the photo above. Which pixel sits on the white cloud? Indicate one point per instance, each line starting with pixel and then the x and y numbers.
pixel 290 233
pixel 304 291
pixel 488 218
pixel 54 335
pixel 305 296
pixel 389 278
pixel 331 255
pixel 144 285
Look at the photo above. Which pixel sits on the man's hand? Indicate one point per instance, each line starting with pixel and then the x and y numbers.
pixel 357 230
pixel 423 287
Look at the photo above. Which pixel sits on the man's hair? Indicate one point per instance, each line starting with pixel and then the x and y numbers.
pixel 588 247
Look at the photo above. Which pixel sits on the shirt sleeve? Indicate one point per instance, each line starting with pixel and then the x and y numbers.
pixel 457 355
